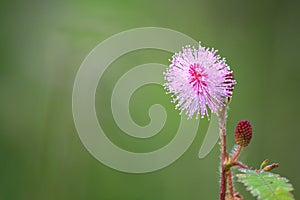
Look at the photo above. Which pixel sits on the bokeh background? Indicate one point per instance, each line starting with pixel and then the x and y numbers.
pixel 42 46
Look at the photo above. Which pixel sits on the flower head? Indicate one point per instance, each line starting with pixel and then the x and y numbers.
pixel 199 79
pixel 243 133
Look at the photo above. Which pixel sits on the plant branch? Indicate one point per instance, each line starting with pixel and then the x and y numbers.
pixel 230 184
pixel 236 163
pixel 236 154
pixel 222 125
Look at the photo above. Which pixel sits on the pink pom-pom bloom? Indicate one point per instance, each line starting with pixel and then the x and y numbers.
pixel 197 79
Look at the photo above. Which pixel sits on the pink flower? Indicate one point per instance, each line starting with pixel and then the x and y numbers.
pixel 197 79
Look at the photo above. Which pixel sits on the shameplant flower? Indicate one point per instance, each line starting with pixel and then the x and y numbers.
pixel 199 79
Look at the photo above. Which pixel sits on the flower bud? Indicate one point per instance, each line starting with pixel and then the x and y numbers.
pixel 243 133
pixel 270 167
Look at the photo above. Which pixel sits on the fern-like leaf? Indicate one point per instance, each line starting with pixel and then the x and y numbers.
pixel 266 185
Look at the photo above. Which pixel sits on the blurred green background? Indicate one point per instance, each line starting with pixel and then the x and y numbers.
pixel 42 46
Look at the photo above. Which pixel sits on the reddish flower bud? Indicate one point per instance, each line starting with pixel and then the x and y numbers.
pixel 270 167
pixel 243 133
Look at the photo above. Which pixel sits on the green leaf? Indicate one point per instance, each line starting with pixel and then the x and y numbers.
pixel 266 185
